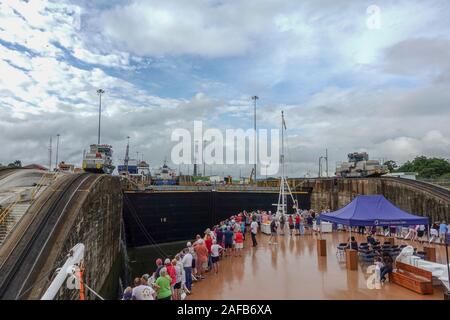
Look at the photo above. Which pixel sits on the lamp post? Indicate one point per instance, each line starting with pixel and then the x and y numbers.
pixel 267 165
pixel 99 92
pixel 195 158
pixel 447 241
pixel 203 158
pixel 57 150
pixel 320 166
pixel 254 98
pixel 50 155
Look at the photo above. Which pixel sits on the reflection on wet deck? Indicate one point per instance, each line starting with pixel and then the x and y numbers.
pixel 292 270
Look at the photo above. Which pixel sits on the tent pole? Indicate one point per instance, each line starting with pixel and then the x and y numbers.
pixel 350 226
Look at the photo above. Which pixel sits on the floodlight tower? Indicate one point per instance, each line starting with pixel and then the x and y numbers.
pixel 254 98
pixel 99 92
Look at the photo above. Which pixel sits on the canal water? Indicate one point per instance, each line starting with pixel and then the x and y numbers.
pixel 142 259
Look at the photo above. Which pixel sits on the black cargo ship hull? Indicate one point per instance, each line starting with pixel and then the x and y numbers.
pixel 159 217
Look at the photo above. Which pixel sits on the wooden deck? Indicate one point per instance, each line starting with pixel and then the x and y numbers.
pixel 292 270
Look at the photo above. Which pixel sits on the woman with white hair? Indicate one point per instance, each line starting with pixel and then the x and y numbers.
pixel 163 282
pixel 202 257
pixel 216 249
pixel 178 274
pixel 191 248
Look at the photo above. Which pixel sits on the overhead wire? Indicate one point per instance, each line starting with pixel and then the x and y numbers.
pixel 288 158
pixel 143 229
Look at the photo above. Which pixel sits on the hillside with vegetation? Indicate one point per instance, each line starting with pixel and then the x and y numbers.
pixel 427 168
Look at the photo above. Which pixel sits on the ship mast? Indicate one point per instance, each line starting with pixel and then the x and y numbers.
pixel 285 189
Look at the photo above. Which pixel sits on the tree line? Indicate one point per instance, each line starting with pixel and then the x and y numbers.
pixel 14 164
pixel 429 168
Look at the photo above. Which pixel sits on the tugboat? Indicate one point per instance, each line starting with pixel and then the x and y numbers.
pixel 98 159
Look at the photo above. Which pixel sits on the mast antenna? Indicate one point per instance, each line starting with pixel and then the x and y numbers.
pixel 285 189
pixel 127 157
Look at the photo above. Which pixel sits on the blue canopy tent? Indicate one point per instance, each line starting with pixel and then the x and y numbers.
pixel 372 210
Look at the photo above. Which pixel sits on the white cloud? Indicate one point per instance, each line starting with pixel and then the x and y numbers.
pixel 42 93
pixel 349 88
pixel 198 27
pixel 43 26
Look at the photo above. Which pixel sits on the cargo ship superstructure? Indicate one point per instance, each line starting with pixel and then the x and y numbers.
pixel 165 176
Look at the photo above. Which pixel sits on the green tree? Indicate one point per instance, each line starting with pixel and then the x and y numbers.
pixel 15 164
pixel 426 167
pixel 391 164
pixel 445 176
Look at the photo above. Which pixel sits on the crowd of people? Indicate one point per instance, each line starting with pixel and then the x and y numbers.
pixel 435 233
pixel 173 278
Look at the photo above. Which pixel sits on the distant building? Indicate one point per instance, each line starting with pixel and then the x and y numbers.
pixel 244 180
pixel 216 179
pixel 66 167
pixel 130 168
pixel 404 175
pixel 143 168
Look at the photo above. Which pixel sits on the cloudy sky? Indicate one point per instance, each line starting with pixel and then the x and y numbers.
pixel 345 84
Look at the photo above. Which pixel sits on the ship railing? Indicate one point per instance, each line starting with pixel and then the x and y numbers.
pixel 5 212
pixel 45 180
pixel 240 188
pixel 22 196
pixel 440 182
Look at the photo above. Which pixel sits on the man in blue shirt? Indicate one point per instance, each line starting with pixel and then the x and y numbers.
pixel 442 231
pixel 228 234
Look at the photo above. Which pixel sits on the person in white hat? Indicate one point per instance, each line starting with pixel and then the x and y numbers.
pixel 187 266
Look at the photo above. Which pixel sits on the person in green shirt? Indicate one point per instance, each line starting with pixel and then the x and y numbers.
pixel 163 282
